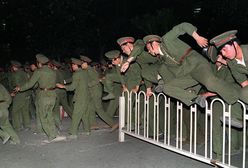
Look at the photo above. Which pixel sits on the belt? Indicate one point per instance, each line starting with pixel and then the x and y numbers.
pixel 1 101
pixel 47 89
pixel 185 55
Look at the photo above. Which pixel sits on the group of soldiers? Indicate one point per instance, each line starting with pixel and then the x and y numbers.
pixel 153 64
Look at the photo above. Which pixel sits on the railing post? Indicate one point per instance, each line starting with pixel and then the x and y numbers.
pixel 121 118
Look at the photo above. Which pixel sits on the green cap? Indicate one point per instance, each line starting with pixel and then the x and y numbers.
pixel 112 54
pixel 42 58
pixel 151 38
pixel 56 63
pixel 76 61
pixel 220 40
pixel 85 59
pixel 212 53
pixel 124 40
pixel 15 63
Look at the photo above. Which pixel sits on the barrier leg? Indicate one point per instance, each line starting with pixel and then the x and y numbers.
pixel 121 118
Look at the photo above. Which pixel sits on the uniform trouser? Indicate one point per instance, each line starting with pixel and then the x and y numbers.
pixel 186 125
pixel 38 122
pixel 5 125
pixel 194 70
pixel 114 104
pixel 96 95
pixel 3 134
pixel 32 108
pixel 109 81
pixel 80 112
pixel 45 104
pixel 61 100
pixel 218 128
pixel 20 112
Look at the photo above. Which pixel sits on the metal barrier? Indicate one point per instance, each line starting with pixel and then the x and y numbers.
pixel 135 110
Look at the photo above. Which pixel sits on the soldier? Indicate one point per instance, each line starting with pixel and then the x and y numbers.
pixel 46 96
pixel 222 71
pixel 33 67
pixel 186 68
pixel 21 101
pixel 7 132
pixel 95 90
pixel 136 53
pixel 237 58
pixel 80 100
pixel 115 77
pixel 61 96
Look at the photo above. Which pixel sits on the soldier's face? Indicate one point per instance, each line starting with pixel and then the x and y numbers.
pixel 127 48
pixel 74 67
pixel 32 67
pixel 84 65
pixel 228 51
pixel 152 48
pixel 116 61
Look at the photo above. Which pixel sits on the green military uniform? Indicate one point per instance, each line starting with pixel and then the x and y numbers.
pixel 21 101
pixel 224 73
pixel 7 129
pixel 61 96
pixel 95 90
pixel 239 69
pixel 46 96
pixel 80 99
pixel 186 68
pixel 115 76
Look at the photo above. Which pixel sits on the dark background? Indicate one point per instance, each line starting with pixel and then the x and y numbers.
pixel 65 28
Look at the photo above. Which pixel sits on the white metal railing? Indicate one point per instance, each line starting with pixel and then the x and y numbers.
pixel 134 114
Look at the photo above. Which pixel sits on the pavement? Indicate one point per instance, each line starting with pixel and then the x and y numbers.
pixel 101 149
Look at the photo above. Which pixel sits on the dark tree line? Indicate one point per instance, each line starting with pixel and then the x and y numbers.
pixel 66 28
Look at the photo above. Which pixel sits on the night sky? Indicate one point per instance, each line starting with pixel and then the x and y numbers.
pixel 66 28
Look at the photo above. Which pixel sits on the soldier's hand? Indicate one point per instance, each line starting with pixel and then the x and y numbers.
pixel 125 66
pixel 12 94
pixel 61 86
pixel 201 41
pixel 148 92
pixel 124 88
pixel 17 89
pixel 136 89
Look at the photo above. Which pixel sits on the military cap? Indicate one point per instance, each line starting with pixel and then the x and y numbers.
pixel 124 40
pixel 42 58
pixel 76 61
pixel 15 63
pixel 85 59
pixel 151 38
pixel 112 54
pixel 56 63
pixel 220 40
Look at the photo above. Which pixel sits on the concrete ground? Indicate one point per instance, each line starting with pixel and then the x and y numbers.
pixel 99 150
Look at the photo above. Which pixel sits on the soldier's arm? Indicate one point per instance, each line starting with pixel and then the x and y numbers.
pixel 180 29
pixel 31 82
pixel 74 83
pixel 6 96
pixel 238 72
pixel 137 50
